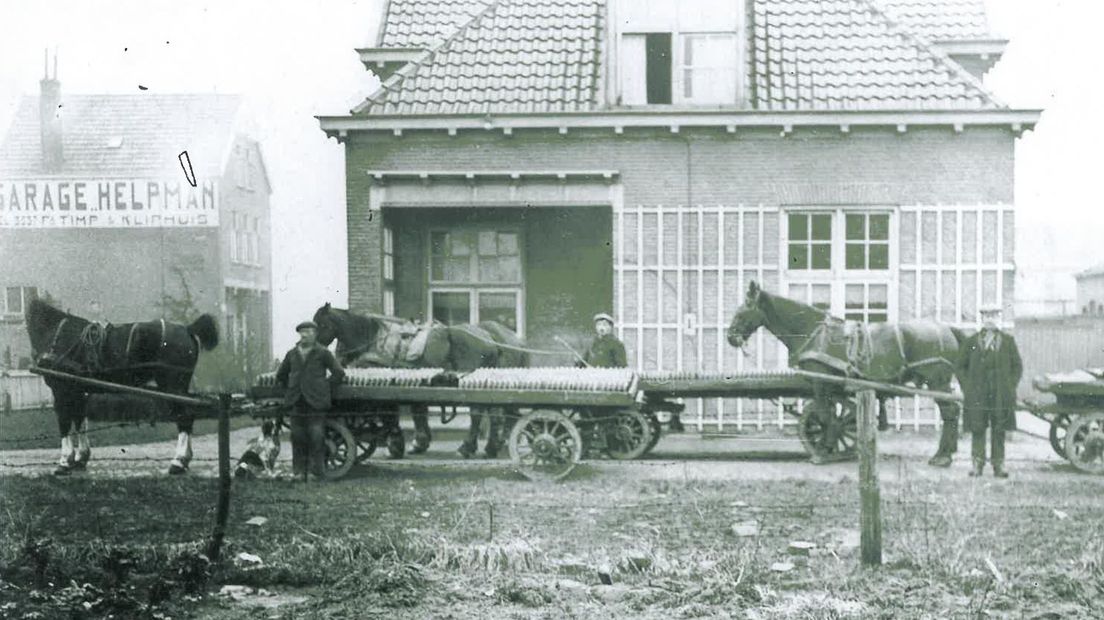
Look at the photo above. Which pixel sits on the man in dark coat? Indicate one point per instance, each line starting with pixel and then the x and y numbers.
pixel 989 369
pixel 308 394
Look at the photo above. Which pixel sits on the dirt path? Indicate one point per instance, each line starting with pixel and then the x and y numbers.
pixel 683 456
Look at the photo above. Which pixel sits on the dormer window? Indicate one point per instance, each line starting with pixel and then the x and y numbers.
pixel 686 53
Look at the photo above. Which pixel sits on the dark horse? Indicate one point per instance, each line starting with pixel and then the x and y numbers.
pixel 131 354
pixel 919 352
pixel 457 348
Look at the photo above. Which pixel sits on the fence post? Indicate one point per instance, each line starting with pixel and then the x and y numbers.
pixel 870 515
pixel 222 511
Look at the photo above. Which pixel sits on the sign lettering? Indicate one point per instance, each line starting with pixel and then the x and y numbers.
pixel 107 203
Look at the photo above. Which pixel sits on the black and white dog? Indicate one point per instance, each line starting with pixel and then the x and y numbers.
pixel 260 454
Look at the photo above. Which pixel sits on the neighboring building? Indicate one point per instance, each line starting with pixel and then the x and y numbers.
pixel 538 161
pixel 96 212
pixel 1090 291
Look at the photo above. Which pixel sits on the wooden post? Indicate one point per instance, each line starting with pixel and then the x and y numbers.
pixel 222 510
pixel 870 516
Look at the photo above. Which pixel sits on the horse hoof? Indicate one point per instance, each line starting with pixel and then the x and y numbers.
pixel 419 448
pixel 176 470
pixel 940 461
pixel 62 471
pixel 79 465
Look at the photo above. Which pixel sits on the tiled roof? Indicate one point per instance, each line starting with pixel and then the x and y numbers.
pixel 940 20
pixel 425 23
pixel 847 55
pixel 544 56
pixel 125 135
pixel 515 56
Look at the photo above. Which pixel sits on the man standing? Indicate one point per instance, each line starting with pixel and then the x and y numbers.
pixel 303 375
pixel 989 369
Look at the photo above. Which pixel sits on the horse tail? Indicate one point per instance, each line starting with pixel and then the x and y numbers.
pixel 206 330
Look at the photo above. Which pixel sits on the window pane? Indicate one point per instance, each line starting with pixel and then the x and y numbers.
pixel 879 256
pixel 14 299
pixel 507 244
pixel 879 227
pixel 853 296
pixel 451 308
pixel 658 53
pixel 879 296
pixel 878 318
pixel 856 256
pixel 822 256
pixel 457 269
pixel 799 292
pixel 501 307
pixel 460 243
pixel 822 227
pixel 854 316
pixel 438 243
pixel 799 226
pixel 488 243
pixel 856 227
pixel 822 296
pixel 799 256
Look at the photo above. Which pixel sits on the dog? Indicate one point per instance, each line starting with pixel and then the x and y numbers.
pixel 260 454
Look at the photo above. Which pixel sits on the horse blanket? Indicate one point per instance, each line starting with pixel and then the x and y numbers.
pixel 875 351
pixel 397 344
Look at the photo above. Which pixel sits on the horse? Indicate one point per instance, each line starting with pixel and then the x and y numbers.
pixel 458 348
pixel 920 352
pixel 132 354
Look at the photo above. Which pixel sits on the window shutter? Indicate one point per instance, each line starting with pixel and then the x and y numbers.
pixel 634 83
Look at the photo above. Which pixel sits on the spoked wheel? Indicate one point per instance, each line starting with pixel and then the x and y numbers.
pixel 628 435
pixel 545 445
pixel 365 432
pixel 1085 443
pixel 1058 428
pixel 828 432
pixel 340 449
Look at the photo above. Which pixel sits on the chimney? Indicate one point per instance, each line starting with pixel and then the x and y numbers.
pixel 49 113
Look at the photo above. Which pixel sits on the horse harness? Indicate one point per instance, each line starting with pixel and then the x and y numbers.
pixel 93 337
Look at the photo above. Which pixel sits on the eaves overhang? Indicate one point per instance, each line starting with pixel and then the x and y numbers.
pixel 730 121
pixel 972 47
pixel 375 57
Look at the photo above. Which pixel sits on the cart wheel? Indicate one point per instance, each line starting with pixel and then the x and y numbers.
pixel 545 445
pixel 657 432
pixel 833 440
pixel 1058 428
pixel 340 450
pixel 1085 443
pixel 364 431
pixel 628 435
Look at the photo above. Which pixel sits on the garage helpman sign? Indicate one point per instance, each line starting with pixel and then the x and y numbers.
pixel 106 203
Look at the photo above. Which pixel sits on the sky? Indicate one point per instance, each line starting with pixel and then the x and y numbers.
pixel 292 60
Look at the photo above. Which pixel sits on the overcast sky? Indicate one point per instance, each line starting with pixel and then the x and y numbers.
pixel 293 60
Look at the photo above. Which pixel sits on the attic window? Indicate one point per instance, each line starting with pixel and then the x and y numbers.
pixel 115 143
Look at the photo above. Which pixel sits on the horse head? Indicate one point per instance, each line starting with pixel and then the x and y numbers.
pixel 749 317
pixel 325 319
pixel 42 322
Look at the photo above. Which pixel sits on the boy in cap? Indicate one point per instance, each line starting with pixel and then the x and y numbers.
pixel 989 369
pixel 606 351
pixel 308 394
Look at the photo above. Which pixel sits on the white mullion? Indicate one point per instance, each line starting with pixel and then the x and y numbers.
pixel 919 296
pixel 640 353
pixel 659 286
pixel 679 283
pixel 979 260
pixel 740 287
pixel 1000 263
pixel 958 266
pixel 720 302
pixel 939 262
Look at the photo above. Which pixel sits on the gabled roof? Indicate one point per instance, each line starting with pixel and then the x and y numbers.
pixel 518 56
pixel 130 136
pixel 848 55
pixel 513 56
pixel 940 20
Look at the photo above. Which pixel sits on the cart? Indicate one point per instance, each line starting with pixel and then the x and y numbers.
pixel 1074 408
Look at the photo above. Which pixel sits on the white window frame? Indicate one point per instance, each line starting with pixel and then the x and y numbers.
pixel 473 293
pixel 839 276
pixel 679 67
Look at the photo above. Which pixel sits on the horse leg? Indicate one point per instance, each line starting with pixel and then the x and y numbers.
pixel 63 408
pixel 948 435
pixel 82 445
pixel 183 455
pixel 883 415
pixel 471 443
pixel 494 429
pixel 422 436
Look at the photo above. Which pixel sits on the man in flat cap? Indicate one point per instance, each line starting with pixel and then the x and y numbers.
pixel 989 369
pixel 308 394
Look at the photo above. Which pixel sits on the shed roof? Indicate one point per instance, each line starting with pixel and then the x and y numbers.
pixel 132 135
pixel 510 56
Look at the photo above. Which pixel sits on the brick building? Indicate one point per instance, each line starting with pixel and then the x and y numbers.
pixel 97 213
pixel 538 161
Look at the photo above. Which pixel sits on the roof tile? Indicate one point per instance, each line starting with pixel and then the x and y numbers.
pixel 940 20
